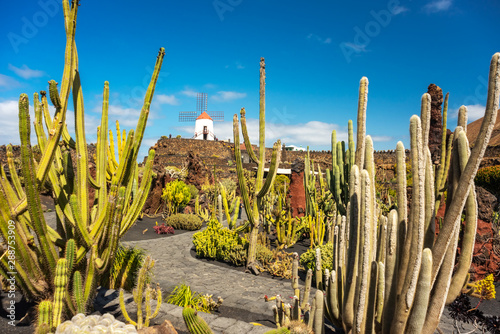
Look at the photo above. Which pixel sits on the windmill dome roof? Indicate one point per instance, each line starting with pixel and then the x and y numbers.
pixel 204 115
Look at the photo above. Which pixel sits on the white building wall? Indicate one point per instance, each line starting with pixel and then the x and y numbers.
pixel 199 126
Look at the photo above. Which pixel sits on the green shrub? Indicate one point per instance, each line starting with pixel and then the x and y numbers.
pixel 182 221
pixel 308 259
pixel 220 243
pixel 176 194
pixel 193 190
pixel 237 255
pixel 281 183
pixel 264 255
pixel 489 178
pixel 183 296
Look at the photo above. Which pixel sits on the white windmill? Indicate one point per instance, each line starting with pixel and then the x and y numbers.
pixel 204 121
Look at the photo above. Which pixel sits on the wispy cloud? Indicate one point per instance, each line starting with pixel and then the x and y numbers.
pixel 166 99
pixel 474 112
pixel 319 39
pixel 189 92
pixel 224 96
pixel 436 6
pixel 236 65
pixel 127 117
pixel 382 138
pixel 8 82
pixel 209 86
pixel 399 9
pixel 25 72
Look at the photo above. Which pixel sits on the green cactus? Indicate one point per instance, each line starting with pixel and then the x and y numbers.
pixel 86 236
pixel 44 323
pixel 262 186
pixel 338 178
pixel 60 282
pixel 310 186
pixel 194 323
pixel 142 290
pixel 78 292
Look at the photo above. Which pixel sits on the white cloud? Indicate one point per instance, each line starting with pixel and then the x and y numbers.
pixel 438 6
pixel 9 123
pixel 166 99
pixel 127 117
pixel 381 138
pixel 189 92
pixel 8 82
pixel 224 96
pixel 399 9
pixel 25 72
pixel 474 112
pixel 319 39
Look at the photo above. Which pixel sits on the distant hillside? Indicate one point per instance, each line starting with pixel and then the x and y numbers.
pixel 473 131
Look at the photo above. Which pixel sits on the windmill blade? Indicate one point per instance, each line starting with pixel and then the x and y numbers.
pixel 216 116
pixel 187 116
pixel 201 102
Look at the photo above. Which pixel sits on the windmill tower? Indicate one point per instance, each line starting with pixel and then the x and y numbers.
pixel 204 121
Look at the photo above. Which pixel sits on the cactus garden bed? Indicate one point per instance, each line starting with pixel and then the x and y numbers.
pixel 143 229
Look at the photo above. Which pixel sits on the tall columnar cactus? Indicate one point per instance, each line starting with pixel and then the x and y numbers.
pixel 444 160
pixel 254 203
pixel 142 290
pixel 310 186
pixel 86 234
pixel 400 281
pixel 342 161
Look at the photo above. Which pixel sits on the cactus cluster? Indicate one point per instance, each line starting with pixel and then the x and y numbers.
pixel 88 234
pixel 338 178
pixel 143 290
pixel 391 275
pixel 228 207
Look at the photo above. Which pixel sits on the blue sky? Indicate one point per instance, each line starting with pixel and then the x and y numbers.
pixel 315 52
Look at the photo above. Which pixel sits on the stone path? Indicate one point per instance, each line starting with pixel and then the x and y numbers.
pixel 174 265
